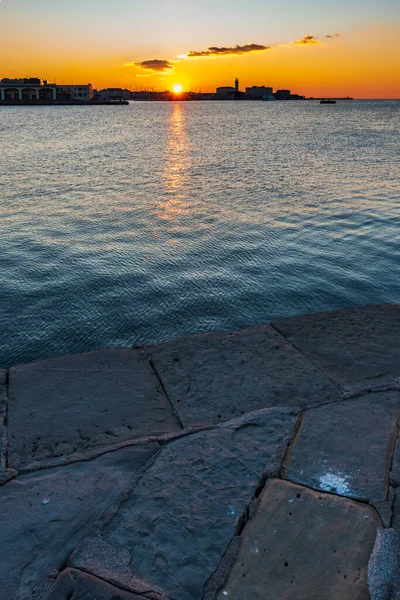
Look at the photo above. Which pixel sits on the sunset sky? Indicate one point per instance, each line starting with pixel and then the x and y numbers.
pixel 280 43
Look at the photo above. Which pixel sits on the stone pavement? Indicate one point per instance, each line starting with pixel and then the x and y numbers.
pixel 257 465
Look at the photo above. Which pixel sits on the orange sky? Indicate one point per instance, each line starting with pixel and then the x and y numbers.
pixel 364 62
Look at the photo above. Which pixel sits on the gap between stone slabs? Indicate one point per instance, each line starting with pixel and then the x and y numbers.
pixel 46 514
pixel 219 376
pixel 73 583
pixel 81 402
pixel 173 530
pixel 303 544
pixel 357 347
pixel 346 448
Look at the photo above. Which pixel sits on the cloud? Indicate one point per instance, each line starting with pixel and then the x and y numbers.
pixel 155 65
pixel 226 50
pixel 308 39
pixel 328 35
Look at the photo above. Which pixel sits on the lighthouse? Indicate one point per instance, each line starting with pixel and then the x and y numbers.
pixel 236 84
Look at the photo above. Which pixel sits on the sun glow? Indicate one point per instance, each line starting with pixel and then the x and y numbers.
pixel 177 89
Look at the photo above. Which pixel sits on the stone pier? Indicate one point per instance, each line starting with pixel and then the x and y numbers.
pixel 257 465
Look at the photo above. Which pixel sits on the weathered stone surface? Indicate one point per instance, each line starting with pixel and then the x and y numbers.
pixel 72 584
pixel 5 474
pixel 214 377
pixel 396 512
pixel 3 375
pixel 384 566
pixel 303 545
pixel 73 403
pixel 395 472
pixel 173 530
pixel 44 515
pixel 2 399
pixel 358 347
pixel 346 448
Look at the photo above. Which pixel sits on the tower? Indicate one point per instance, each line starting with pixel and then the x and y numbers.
pixel 236 84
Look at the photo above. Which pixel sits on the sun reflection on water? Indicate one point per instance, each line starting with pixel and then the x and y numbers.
pixel 174 200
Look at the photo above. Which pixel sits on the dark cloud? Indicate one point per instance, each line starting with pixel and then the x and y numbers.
pixel 155 65
pixel 328 35
pixel 308 39
pixel 224 50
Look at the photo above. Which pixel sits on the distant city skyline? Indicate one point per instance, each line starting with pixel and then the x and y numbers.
pixel 339 49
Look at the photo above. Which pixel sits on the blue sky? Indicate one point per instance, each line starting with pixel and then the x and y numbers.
pixel 166 23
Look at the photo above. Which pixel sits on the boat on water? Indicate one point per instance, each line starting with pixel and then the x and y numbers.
pixel 269 98
pixel 323 101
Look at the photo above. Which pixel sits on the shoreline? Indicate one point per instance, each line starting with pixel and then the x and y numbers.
pixel 208 466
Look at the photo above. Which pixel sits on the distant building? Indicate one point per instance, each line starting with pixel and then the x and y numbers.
pixel 221 91
pixel 27 89
pixel 258 91
pixel 151 95
pixel 79 92
pixel 114 94
pixel 287 95
pixel 34 89
pixel 282 94
pixel 236 84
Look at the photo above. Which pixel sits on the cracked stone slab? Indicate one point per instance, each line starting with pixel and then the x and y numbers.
pixel 214 377
pixel 175 527
pixel 358 347
pixel 302 544
pixel 346 448
pixel 44 515
pixel 66 405
pixel 76 585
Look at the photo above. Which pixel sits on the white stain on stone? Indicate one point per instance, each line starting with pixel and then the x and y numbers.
pixel 335 482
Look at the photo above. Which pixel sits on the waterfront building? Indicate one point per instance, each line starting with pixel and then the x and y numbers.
pixel 81 92
pixel 221 91
pixel 114 94
pixel 257 92
pixel 27 89
pixel 282 94
pixel 34 89
pixel 287 95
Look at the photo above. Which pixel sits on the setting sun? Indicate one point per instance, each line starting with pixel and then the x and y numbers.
pixel 177 88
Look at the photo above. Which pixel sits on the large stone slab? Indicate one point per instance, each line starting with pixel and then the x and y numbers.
pixel 72 584
pixel 303 545
pixel 171 533
pixel 358 347
pixel 74 403
pixel 44 515
pixel 218 376
pixel 346 448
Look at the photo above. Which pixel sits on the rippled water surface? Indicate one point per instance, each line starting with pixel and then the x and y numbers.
pixel 127 224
